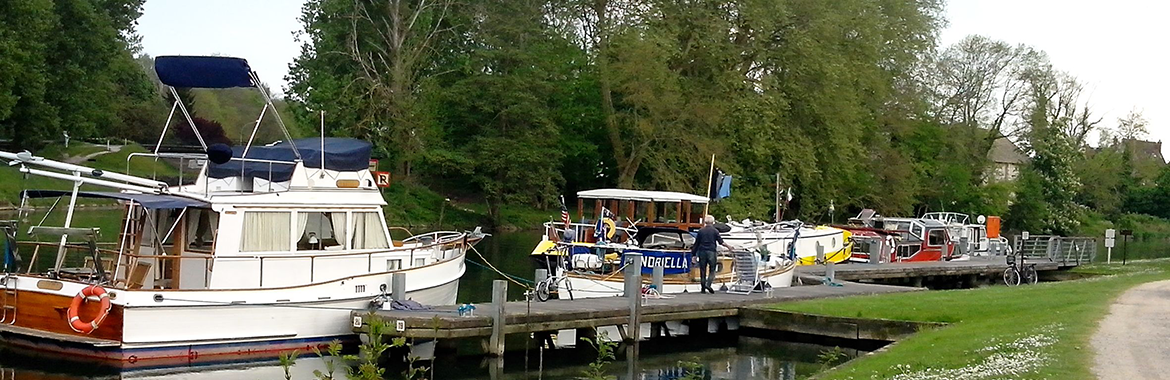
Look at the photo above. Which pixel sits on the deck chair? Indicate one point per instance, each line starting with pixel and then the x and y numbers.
pixel 747 272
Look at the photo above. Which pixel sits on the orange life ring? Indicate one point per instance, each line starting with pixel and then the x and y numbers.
pixel 75 322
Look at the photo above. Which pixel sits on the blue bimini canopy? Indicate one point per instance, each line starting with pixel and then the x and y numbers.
pixel 341 154
pixel 150 201
pixel 203 72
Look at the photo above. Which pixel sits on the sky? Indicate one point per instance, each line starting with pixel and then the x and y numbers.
pixel 1113 47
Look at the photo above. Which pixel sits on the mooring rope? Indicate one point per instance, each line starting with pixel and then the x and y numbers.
pixel 501 273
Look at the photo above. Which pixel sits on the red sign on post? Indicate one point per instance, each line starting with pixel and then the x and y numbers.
pixel 382 179
pixel 373 165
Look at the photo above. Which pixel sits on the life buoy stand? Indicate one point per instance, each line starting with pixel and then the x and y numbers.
pixel 81 298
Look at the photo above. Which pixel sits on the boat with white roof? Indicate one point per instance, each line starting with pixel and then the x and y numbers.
pixel 268 250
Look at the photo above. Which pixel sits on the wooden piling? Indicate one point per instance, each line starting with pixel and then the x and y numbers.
pixel 499 299
pixel 633 284
pixel 398 286
pixel 659 271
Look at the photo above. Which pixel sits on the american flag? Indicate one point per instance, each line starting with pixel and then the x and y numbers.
pixel 564 212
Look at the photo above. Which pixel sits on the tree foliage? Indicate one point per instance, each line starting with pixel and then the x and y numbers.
pixel 849 103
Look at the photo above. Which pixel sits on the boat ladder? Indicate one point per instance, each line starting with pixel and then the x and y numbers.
pixel 8 299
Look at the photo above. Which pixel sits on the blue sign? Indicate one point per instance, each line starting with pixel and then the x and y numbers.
pixel 672 262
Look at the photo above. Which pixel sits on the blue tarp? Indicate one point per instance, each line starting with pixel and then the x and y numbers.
pixel 203 72
pixel 150 201
pixel 341 154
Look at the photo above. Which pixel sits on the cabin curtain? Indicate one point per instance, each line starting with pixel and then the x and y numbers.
pixel 302 223
pixel 337 219
pixel 266 232
pixel 368 232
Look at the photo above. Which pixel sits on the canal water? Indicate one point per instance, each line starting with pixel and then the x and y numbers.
pixel 674 358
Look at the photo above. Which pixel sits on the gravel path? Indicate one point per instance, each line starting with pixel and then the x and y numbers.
pixel 1131 342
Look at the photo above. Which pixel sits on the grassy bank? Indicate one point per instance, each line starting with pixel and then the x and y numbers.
pixel 416 206
pixel 1035 332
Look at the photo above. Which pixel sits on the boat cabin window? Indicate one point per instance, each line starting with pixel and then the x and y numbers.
pixel 368 232
pixel 318 231
pixel 917 230
pixel 936 237
pixel 266 231
pixel 668 240
pixel 201 229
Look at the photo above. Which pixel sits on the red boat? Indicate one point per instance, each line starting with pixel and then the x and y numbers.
pixel 900 239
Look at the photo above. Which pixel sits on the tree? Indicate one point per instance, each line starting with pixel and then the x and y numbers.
pixel 1133 126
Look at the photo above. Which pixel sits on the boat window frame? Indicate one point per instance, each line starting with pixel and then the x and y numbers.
pixel 292 212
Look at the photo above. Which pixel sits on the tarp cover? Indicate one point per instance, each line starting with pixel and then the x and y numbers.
pixel 203 72
pixel 150 201
pixel 341 154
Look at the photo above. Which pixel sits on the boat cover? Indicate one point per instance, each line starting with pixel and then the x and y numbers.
pixel 150 201
pixel 203 71
pixel 341 154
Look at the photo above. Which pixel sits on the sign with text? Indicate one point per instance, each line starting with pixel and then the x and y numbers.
pixel 1110 233
pixel 373 165
pixel 1110 242
pixel 382 179
pixel 672 262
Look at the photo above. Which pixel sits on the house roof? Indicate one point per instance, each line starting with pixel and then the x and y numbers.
pixel 1005 151
pixel 1145 149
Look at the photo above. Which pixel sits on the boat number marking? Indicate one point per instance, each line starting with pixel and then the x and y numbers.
pixel 400 325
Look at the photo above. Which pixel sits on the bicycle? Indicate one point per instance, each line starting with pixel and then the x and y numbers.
pixel 1022 273
pixel 553 285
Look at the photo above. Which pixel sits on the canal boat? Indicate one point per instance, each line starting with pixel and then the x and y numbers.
pixel 658 225
pixel 267 250
pixel 598 272
pixel 835 243
pixel 617 213
pixel 916 239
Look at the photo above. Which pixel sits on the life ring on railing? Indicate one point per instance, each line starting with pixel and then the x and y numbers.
pixel 610 228
pixel 82 297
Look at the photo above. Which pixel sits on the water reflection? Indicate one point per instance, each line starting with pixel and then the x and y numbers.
pixel 750 358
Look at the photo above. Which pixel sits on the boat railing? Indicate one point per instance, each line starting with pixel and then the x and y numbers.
pixel 122 266
pixel 583 232
pixel 183 157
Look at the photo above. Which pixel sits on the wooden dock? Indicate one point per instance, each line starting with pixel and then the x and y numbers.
pixel 976 266
pixel 530 317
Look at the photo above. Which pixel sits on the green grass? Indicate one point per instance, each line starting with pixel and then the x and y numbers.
pixel 983 322
pixel 413 205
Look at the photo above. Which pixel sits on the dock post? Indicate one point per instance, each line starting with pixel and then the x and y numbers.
pixel 499 298
pixel 398 286
pixel 633 274
pixel 659 270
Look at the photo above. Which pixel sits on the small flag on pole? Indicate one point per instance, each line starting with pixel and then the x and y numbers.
pixel 564 212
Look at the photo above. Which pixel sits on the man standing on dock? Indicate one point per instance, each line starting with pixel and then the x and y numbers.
pixel 705 246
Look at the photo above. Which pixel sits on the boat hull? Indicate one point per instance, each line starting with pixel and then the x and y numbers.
pixel 199 327
pixel 585 286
